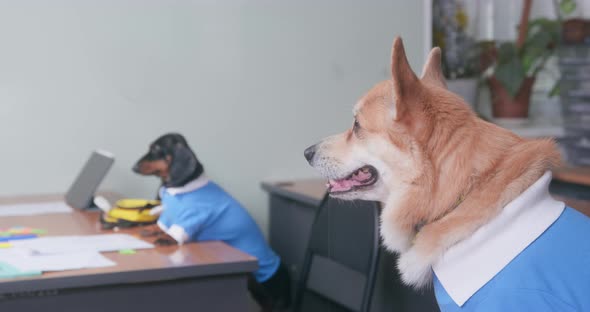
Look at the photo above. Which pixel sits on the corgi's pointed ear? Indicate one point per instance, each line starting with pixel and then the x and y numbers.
pixel 403 78
pixel 432 72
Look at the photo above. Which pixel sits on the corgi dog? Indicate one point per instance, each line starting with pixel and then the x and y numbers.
pixel 440 172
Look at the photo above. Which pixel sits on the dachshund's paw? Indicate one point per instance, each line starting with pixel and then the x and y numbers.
pixel 150 233
pixel 165 241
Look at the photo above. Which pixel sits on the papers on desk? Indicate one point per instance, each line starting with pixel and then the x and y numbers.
pixel 61 253
pixel 71 244
pixel 23 261
pixel 32 209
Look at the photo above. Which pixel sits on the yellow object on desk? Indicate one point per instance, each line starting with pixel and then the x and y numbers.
pixel 130 212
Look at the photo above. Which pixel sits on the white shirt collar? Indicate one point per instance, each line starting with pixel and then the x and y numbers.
pixel 469 265
pixel 193 185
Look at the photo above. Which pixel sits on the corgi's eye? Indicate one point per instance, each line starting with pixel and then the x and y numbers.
pixel 356 127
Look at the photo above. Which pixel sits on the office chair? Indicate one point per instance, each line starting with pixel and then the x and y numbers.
pixel 338 273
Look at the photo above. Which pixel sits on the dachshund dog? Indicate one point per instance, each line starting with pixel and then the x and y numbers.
pixel 171 159
pixel 194 209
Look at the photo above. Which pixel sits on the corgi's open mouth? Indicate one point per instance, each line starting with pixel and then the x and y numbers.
pixel 360 178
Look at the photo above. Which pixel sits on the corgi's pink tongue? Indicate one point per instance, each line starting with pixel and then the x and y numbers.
pixel 343 185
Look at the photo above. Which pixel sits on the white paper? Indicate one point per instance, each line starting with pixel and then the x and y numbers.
pixel 32 209
pixel 68 244
pixel 25 262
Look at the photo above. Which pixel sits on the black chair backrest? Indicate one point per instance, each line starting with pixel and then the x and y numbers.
pixel 340 264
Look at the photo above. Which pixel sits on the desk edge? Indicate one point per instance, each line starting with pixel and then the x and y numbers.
pixel 273 189
pixel 131 277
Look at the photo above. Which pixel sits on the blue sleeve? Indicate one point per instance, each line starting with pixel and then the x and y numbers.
pixel 169 212
pixel 191 220
pixel 523 300
pixel 166 217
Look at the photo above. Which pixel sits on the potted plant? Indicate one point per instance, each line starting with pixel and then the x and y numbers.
pixel 510 69
pixel 453 31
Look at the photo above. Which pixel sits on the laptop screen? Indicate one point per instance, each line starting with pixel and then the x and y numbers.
pixel 81 192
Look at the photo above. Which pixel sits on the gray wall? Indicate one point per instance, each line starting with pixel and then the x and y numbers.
pixel 250 83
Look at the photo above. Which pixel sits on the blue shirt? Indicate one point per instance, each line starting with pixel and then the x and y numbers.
pixel 551 274
pixel 209 213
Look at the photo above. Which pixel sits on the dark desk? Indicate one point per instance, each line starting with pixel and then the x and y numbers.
pixel 207 276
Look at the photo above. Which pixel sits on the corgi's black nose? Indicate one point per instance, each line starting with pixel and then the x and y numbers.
pixel 309 152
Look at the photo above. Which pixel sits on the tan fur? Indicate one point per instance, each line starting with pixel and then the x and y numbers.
pixel 444 172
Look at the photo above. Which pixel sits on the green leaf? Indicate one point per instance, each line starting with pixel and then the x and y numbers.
pixel 535 48
pixel 510 74
pixel 549 28
pixel 542 36
pixel 567 6
pixel 506 52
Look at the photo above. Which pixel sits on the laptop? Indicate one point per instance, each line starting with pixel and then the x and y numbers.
pixel 81 192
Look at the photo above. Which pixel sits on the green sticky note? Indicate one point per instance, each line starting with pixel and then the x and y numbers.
pixel 38 231
pixel 5 234
pixel 127 251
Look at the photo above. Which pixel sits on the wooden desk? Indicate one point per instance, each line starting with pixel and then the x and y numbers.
pixel 577 175
pixel 207 276
pixel 572 186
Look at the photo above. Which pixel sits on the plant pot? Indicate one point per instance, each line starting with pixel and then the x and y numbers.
pixel 506 106
pixel 575 31
pixel 467 88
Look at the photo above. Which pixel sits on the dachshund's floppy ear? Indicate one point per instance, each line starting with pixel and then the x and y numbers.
pixel 184 166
